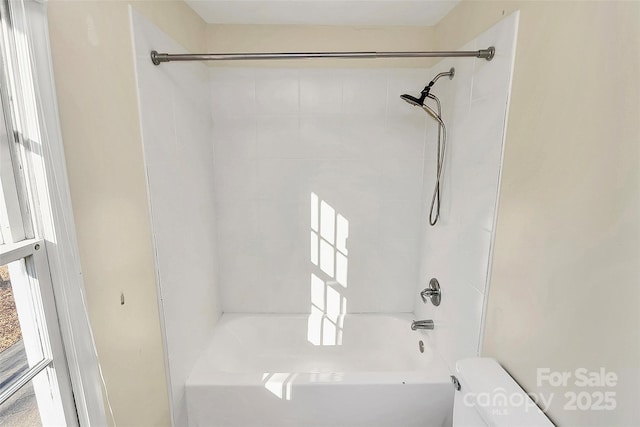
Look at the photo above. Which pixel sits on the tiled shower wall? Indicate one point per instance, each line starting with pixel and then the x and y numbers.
pixel 176 128
pixel 318 176
pixel 457 251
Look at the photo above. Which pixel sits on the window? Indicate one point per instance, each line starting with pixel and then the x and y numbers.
pixel 33 374
pixel 35 384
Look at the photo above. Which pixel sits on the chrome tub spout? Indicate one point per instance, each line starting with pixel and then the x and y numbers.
pixel 421 324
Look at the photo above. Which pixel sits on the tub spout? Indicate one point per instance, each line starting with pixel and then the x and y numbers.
pixel 421 324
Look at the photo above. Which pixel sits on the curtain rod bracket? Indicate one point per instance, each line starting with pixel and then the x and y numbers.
pixel 487 53
pixel 154 58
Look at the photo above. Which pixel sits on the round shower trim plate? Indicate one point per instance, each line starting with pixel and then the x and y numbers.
pixel 434 285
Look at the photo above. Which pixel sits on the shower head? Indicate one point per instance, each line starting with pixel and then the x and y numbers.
pixel 413 100
pixel 419 102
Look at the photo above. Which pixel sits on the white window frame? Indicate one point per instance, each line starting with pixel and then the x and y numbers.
pixel 43 345
pixel 50 198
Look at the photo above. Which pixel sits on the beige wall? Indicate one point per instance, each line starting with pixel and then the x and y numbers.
pixel 565 287
pixel 95 82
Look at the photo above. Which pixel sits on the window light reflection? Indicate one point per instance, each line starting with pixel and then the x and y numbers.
pixel 328 254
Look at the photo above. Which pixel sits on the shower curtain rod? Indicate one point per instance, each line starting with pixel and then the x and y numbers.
pixel 158 58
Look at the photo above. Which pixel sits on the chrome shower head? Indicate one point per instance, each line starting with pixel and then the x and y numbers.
pixel 419 102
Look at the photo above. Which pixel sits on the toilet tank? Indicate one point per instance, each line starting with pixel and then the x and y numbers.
pixel 488 396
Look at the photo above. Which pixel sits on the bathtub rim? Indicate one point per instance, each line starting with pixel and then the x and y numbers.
pixel 204 374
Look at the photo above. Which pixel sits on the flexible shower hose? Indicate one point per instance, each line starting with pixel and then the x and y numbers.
pixel 434 210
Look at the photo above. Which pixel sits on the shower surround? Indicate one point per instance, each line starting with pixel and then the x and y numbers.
pixel 318 179
pixel 457 251
pixel 176 132
pixel 302 193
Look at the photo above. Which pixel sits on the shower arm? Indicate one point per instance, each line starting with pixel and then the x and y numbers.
pixel 449 74
pixel 427 89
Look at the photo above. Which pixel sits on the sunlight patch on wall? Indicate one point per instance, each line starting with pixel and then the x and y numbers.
pixel 328 254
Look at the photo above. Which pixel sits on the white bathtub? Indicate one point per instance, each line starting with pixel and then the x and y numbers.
pixel 265 370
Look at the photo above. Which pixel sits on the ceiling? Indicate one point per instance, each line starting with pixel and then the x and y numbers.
pixel 323 12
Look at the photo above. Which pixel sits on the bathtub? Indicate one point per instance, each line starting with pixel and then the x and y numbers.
pixel 306 371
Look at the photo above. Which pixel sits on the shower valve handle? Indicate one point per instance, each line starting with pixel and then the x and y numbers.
pixel 432 293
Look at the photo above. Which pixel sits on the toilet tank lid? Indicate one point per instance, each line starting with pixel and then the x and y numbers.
pixel 499 400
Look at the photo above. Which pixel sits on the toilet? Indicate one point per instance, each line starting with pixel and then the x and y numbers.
pixel 486 395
